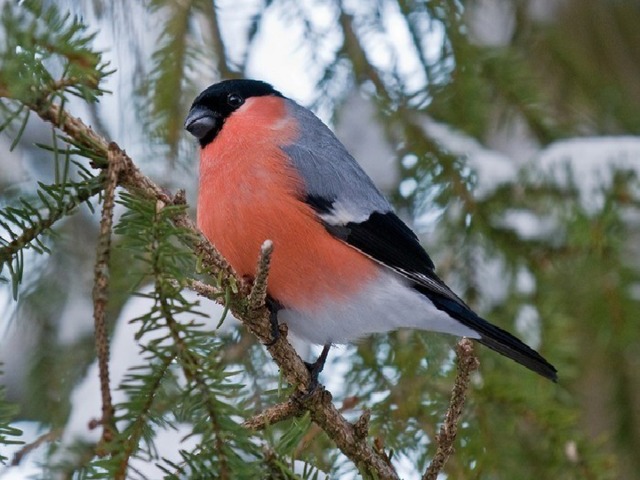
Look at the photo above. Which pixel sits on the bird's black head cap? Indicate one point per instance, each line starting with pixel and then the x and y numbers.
pixel 213 106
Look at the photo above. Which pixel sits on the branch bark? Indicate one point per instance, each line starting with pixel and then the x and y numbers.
pixel 101 293
pixel 467 363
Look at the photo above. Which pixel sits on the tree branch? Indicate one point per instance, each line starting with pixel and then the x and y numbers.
pixel 136 428
pixel 101 292
pixel 274 414
pixel 258 292
pixel 210 10
pixel 29 447
pixel 467 363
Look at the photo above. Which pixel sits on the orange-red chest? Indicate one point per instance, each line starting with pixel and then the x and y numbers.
pixel 249 192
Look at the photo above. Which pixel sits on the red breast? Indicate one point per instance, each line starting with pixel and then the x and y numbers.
pixel 250 192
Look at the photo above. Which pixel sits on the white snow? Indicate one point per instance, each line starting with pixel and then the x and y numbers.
pixel 491 167
pixel 591 162
pixel 359 129
pixel 528 325
pixel 528 225
pixel 491 22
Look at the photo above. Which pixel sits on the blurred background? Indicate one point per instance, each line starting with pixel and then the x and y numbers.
pixel 505 132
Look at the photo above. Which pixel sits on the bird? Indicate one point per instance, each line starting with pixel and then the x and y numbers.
pixel 344 265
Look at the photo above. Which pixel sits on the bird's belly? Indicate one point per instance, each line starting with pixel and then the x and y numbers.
pixel 383 304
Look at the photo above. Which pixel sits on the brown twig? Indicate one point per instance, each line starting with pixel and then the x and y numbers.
pixel 258 292
pixel 467 363
pixel 29 447
pixel 205 290
pixel 274 414
pixel 101 292
pixel 363 69
pixel 292 408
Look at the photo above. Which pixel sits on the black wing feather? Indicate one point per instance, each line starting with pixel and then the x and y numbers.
pixel 389 241
pixel 386 238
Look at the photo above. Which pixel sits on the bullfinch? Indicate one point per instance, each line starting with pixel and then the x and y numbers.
pixel 344 265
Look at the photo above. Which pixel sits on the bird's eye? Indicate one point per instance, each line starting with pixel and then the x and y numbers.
pixel 235 100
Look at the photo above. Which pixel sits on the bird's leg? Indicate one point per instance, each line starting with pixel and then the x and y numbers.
pixel 274 307
pixel 316 367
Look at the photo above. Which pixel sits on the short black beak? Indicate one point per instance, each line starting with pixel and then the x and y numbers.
pixel 200 121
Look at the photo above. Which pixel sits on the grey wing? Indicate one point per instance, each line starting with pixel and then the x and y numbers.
pixel 352 208
pixel 335 184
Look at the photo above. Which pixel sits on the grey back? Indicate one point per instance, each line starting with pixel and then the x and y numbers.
pixel 330 172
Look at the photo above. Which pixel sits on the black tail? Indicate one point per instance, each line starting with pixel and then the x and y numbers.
pixel 495 338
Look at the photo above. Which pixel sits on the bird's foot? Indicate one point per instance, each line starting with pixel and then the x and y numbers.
pixel 315 368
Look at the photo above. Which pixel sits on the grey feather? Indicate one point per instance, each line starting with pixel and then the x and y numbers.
pixel 330 172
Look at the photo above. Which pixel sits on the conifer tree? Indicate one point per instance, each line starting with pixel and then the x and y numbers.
pixel 242 406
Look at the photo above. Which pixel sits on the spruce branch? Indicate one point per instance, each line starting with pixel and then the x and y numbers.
pixel 135 431
pixel 101 292
pixel 210 11
pixel 166 81
pixel 24 225
pixel 275 467
pixel 8 433
pixel 320 405
pixel 467 363
pixel 193 372
pixel 31 233
pixel 148 233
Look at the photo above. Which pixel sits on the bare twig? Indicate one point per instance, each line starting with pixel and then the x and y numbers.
pixel 29 447
pixel 467 363
pixel 361 427
pixel 100 291
pixel 258 292
pixel 378 446
pixel 274 414
pixel 205 290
